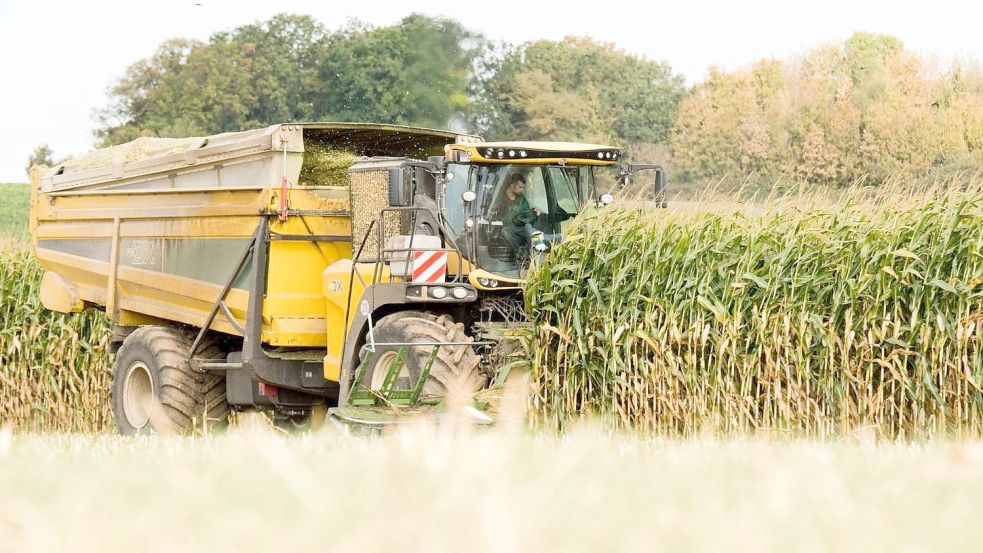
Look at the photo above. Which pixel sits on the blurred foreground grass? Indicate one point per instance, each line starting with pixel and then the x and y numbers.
pixel 423 489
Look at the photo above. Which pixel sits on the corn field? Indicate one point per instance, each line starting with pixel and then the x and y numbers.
pixel 812 316
pixel 807 319
pixel 54 368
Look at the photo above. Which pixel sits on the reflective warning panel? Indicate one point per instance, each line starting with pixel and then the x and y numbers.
pixel 429 266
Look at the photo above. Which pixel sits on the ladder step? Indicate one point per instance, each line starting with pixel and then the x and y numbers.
pixel 214 365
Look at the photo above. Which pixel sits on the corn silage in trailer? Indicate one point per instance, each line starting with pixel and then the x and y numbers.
pixel 325 165
pixel 812 321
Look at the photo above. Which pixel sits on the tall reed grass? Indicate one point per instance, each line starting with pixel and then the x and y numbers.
pixel 807 317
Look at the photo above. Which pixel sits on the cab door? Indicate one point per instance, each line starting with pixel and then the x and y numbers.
pixel 564 195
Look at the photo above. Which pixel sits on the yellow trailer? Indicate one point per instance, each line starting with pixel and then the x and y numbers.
pixel 239 274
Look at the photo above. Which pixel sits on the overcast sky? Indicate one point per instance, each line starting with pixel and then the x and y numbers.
pixel 58 58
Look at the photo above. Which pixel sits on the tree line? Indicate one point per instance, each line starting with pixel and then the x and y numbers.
pixel 863 109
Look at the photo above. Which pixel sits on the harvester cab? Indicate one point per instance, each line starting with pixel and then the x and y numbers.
pixel 504 202
pixel 473 221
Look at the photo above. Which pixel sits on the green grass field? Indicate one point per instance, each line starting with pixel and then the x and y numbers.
pixel 15 202
pixel 427 490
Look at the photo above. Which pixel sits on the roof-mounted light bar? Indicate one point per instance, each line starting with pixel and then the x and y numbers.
pixel 498 154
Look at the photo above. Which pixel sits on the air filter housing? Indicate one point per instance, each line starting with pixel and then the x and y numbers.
pixel 378 183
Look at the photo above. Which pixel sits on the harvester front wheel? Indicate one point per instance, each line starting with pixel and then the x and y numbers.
pixel 455 369
pixel 155 390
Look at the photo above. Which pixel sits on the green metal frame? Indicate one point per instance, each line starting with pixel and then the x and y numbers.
pixel 388 394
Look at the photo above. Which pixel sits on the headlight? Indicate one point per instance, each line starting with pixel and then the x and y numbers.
pixel 493 283
pixel 438 293
pixel 459 292
pixel 483 281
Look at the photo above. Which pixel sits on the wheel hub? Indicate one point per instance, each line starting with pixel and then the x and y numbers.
pixel 382 366
pixel 138 395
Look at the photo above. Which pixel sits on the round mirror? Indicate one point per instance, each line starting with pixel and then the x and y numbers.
pixel 468 196
pixel 607 199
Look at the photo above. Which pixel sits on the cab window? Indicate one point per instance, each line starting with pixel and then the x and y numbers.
pixel 536 190
pixel 455 208
pixel 564 181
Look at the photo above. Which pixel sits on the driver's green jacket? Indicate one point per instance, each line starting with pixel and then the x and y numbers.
pixel 513 209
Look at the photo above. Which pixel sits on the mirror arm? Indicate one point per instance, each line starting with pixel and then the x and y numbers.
pixel 660 180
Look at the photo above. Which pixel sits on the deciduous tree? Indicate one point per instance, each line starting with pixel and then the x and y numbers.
pixel 42 155
pixel 290 68
pixel 577 89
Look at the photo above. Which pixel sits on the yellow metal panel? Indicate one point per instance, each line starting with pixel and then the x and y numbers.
pixel 300 327
pixel 146 204
pixel 546 146
pixel 75 229
pixel 177 298
pixel 336 279
pixel 505 283
pixel 213 227
pixel 457 265
pixel 475 154
pixel 87 275
pixel 111 288
pixel 294 301
pixel 35 172
pixel 57 294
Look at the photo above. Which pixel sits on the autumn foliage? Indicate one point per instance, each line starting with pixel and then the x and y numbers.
pixel 865 109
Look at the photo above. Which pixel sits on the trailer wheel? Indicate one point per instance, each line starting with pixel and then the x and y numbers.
pixel 155 390
pixel 454 371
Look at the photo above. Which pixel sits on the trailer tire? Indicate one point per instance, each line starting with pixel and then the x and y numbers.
pixel 155 390
pixel 454 371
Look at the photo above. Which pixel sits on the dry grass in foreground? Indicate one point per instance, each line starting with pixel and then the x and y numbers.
pixel 424 490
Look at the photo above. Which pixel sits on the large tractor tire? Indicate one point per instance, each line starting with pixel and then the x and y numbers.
pixel 155 390
pixel 454 371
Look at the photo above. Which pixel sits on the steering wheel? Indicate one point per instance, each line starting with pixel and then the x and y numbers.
pixel 564 216
pixel 525 216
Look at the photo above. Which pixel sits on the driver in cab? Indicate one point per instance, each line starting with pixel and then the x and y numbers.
pixel 517 218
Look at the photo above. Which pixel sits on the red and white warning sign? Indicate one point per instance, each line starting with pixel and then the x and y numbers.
pixel 429 266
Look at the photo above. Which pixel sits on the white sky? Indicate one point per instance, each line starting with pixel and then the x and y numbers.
pixel 57 59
